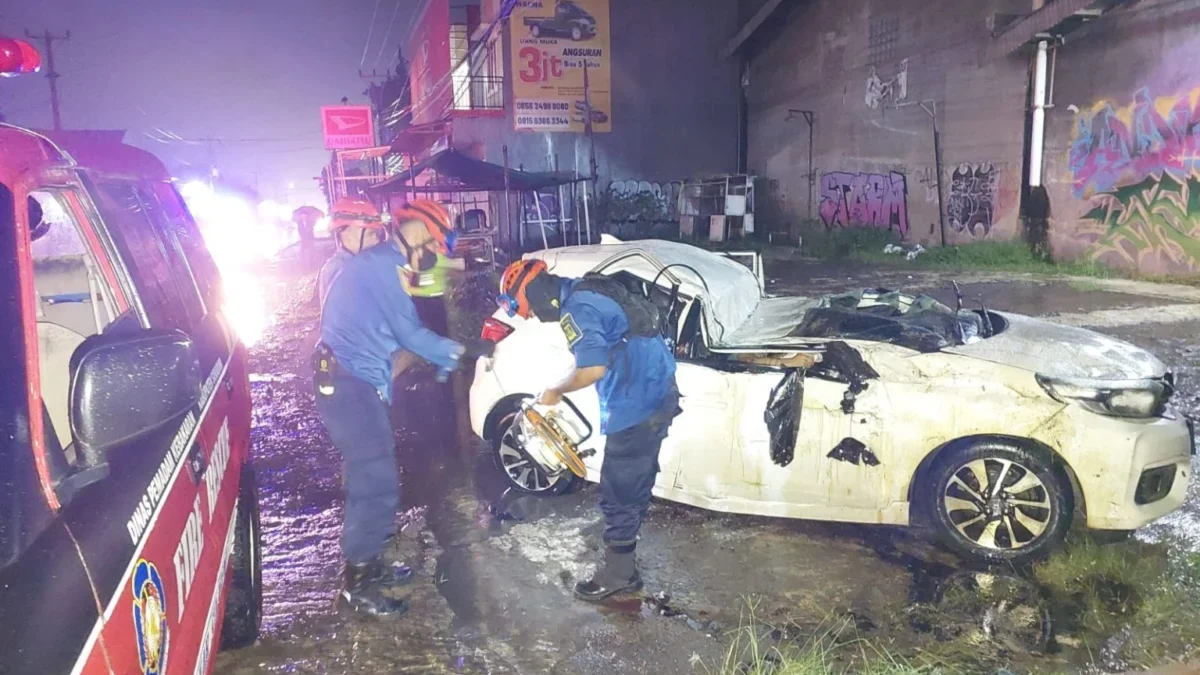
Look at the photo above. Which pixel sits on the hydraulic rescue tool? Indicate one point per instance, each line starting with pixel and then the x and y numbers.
pixel 550 437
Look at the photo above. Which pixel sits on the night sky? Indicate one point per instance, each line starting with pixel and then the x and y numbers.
pixel 251 75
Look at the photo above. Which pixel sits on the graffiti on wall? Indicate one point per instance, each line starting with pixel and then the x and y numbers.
pixel 1139 165
pixel 971 205
pixel 883 92
pixel 666 193
pixel 928 179
pixel 865 200
pixel 1147 137
pixel 1152 225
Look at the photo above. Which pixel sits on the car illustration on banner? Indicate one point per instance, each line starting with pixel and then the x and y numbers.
pixel 580 113
pixel 569 20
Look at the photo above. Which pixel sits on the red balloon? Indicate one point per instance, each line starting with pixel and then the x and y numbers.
pixel 31 59
pixel 11 57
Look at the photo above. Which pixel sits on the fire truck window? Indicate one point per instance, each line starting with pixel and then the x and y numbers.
pixel 182 226
pixel 149 258
pixel 73 301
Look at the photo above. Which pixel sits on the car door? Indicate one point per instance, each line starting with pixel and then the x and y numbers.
pixel 158 598
pixel 47 605
pixel 834 465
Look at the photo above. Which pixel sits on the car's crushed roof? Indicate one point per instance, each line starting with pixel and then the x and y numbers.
pixel 729 290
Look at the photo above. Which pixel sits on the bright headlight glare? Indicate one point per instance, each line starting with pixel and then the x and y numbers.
pixel 1115 398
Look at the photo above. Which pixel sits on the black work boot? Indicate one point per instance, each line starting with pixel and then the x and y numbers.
pixel 366 587
pixel 618 574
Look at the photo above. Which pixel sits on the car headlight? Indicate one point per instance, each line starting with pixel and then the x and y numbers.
pixel 1115 398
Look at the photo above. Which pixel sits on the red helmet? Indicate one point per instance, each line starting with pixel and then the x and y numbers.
pixel 435 218
pixel 350 211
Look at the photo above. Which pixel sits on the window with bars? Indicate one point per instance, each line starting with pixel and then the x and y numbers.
pixel 478 78
pixel 883 39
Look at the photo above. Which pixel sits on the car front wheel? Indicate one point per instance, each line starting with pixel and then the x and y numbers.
pixel 996 501
pixel 576 33
pixel 522 473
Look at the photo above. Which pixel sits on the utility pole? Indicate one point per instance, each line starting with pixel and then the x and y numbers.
pixel 48 39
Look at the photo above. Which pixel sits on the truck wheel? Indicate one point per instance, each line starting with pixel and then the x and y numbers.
pixel 535 30
pixel 243 603
pixel 522 474
pixel 576 33
pixel 994 500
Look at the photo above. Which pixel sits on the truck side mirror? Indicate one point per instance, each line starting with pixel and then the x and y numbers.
pixel 126 386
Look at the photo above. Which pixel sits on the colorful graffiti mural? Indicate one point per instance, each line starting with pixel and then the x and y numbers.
pixel 865 200
pixel 1152 225
pixel 1140 167
pixel 1150 136
pixel 972 201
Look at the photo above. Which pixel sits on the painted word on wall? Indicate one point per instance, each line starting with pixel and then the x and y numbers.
pixel 972 201
pixel 865 200
pixel 1149 136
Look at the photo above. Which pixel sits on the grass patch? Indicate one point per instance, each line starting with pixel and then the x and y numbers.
pixel 833 648
pixel 867 245
pixel 1147 595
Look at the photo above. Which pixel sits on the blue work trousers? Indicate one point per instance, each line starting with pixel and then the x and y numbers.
pixel 629 470
pixel 356 418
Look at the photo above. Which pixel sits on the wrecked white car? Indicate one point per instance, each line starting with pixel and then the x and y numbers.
pixel 870 407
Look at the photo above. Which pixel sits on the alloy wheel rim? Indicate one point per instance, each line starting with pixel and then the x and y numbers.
pixel 997 504
pixel 519 468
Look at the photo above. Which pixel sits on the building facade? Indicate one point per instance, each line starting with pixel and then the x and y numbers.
pixel 674 102
pixel 874 76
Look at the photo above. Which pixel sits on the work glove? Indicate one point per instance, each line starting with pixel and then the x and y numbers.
pixel 473 348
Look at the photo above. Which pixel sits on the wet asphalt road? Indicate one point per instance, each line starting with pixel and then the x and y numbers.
pixel 495 572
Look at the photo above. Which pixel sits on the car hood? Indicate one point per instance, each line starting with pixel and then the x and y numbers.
pixel 1063 351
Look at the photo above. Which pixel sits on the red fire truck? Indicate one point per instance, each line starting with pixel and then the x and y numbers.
pixel 129 535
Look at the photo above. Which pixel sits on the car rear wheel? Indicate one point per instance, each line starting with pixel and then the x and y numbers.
pixel 996 501
pixel 576 33
pixel 535 30
pixel 523 474
pixel 243 604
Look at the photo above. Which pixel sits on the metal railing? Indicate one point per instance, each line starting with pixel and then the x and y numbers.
pixel 479 92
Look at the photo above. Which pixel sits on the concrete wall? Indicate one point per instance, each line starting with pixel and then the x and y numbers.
pixel 1123 141
pixel 873 149
pixel 675 104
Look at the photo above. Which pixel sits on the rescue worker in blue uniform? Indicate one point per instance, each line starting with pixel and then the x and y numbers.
pixel 366 318
pixel 616 338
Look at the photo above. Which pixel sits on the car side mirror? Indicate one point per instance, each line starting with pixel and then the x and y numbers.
pixel 124 387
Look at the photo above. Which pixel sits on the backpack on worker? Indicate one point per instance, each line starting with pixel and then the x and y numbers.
pixel 644 317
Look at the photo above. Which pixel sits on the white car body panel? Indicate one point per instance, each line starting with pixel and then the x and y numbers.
pixel 717 455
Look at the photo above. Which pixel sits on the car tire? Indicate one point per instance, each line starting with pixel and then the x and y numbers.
pixel 576 33
pixel 243 602
pixel 520 472
pixel 995 500
pixel 535 31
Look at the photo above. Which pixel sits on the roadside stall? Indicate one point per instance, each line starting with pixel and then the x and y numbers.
pixel 480 196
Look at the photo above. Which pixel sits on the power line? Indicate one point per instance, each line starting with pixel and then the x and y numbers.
pixel 388 35
pixel 49 39
pixel 370 31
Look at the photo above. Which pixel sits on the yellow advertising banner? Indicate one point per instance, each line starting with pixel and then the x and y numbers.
pixel 551 42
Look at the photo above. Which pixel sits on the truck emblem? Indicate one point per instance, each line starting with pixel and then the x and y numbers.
pixel 150 618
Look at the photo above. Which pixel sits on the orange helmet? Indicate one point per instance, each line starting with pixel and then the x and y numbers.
pixel 435 218
pixel 350 211
pixel 513 283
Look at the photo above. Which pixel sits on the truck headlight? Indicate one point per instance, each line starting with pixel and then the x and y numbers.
pixel 1115 398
